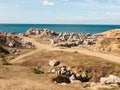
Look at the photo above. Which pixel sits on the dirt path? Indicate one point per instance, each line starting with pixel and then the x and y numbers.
pixel 40 47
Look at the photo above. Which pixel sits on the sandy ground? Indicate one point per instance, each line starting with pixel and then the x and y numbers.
pixel 40 47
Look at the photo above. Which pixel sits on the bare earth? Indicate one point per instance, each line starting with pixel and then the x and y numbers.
pixel 40 47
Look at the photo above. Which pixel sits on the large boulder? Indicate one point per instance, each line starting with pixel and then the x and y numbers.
pixel 29 45
pixel 110 80
pixel 54 63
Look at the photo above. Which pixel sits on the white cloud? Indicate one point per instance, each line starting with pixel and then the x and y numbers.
pixel 48 3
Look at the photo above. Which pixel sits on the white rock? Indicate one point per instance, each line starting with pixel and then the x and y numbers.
pixel 110 80
pixel 53 70
pixel 72 78
pixel 54 63
pixel 103 80
pixel 114 79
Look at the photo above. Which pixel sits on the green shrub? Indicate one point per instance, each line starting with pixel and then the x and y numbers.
pixel 37 71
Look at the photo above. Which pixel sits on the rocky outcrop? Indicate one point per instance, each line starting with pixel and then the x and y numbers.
pixel 73 77
pixel 108 41
pixel 41 33
pixel 73 39
pixel 61 39
pixel 10 41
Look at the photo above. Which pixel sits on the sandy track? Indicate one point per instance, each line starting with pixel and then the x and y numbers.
pixel 40 47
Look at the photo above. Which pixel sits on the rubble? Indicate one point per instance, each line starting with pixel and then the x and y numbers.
pixel 62 39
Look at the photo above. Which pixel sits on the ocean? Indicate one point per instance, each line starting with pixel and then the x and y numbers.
pixel 78 28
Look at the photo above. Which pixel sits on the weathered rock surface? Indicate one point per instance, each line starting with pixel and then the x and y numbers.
pixel 73 77
pixel 110 80
pixel 10 41
pixel 54 63
pixel 61 39
pixel 29 45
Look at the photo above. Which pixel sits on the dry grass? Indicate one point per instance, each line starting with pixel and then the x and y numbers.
pixel 111 45
pixel 93 65
pixel 21 77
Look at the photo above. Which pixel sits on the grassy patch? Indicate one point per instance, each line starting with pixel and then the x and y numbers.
pixel 37 71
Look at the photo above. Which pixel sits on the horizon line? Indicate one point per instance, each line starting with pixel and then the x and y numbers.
pixel 60 23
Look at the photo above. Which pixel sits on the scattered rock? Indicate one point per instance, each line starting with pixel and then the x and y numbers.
pixel 53 71
pixel 29 45
pixel 54 63
pixel 110 80
pixel 73 77
pixel 38 67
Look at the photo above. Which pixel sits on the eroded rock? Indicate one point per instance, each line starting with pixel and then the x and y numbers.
pixel 54 63
pixel 110 80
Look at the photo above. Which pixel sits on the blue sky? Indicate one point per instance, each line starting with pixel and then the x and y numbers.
pixel 60 11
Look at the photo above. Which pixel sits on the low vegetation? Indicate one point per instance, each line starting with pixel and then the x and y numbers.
pixel 37 71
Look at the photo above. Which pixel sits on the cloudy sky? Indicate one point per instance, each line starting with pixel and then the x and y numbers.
pixel 60 11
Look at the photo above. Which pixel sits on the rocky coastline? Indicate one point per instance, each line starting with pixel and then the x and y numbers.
pixel 12 45
pixel 95 42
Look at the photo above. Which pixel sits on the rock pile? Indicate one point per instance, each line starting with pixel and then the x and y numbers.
pixel 62 39
pixel 10 41
pixel 41 33
pixel 15 51
pixel 64 75
pixel 70 76
pixel 96 42
pixel 72 39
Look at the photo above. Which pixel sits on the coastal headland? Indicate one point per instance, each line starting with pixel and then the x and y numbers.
pixel 41 59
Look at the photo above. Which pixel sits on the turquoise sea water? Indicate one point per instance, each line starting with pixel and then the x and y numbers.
pixel 20 28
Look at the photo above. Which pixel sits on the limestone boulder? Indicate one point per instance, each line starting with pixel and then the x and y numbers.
pixel 54 63
pixel 110 80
